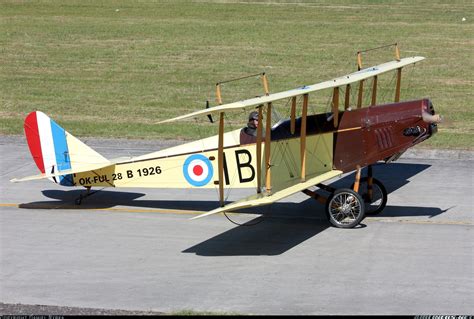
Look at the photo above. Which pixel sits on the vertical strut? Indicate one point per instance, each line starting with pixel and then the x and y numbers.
pixel 335 106
pixel 399 81
pixel 347 97
pixel 220 158
pixel 265 84
pixel 374 91
pixel 259 150
pixel 357 179
pixel 359 61
pixel 370 182
pixel 303 137
pixel 361 94
pixel 397 52
pixel 268 178
pixel 293 115
pixel 218 94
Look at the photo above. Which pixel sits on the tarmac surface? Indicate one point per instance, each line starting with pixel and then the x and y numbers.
pixel 135 249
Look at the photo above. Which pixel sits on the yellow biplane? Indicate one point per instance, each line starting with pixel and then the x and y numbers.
pixel 318 146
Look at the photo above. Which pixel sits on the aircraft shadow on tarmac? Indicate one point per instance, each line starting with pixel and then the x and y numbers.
pixel 280 227
pixel 272 236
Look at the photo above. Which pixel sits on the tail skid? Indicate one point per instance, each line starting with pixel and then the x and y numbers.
pixel 56 152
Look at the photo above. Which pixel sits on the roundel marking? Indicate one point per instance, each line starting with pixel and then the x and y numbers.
pixel 197 170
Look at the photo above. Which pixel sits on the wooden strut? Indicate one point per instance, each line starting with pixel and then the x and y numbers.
pixel 359 61
pixel 218 94
pixel 399 81
pixel 220 159
pixel 335 106
pixel 370 182
pixel 374 91
pixel 399 74
pixel 265 84
pixel 293 115
pixel 347 97
pixel 361 94
pixel 361 82
pixel 397 52
pixel 357 179
pixel 259 150
pixel 268 177
pixel 303 137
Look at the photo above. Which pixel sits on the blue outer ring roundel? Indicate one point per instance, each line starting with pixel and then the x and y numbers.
pixel 204 168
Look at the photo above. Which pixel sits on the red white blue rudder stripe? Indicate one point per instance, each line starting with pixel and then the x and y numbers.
pixel 48 146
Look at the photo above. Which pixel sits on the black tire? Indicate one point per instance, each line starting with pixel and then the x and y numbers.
pixel 377 203
pixel 345 208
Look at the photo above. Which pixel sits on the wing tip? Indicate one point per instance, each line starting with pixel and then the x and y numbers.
pixel 200 216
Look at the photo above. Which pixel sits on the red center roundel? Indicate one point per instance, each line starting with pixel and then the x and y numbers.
pixel 198 170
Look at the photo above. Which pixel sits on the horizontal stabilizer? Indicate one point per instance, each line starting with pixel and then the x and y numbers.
pixel 83 168
pixel 262 199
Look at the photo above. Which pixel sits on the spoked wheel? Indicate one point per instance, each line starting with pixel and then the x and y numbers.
pixel 375 203
pixel 345 208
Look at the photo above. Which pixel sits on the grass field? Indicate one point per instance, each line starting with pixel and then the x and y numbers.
pixel 115 68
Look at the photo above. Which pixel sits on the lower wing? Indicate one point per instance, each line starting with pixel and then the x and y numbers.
pixel 262 199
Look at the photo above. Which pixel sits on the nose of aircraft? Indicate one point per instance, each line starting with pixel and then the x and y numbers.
pixel 428 113
pixel 431 118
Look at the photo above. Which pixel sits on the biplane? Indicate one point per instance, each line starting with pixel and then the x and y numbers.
pixel 286 157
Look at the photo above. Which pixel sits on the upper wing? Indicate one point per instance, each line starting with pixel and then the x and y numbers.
pixel 340 81
pixel 262 199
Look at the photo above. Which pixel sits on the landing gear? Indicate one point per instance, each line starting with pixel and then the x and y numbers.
pixel 345 208
pixel 374 195
pixel 78 201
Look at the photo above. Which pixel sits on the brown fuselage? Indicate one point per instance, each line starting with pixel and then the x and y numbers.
pixel 367 135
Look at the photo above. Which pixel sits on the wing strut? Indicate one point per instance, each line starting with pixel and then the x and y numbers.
pixel 265 84
pixel 293 115
pixel 335 106
pixel 220 158
pixel 399 74
pixel 361 92
pixel 374 91
pixel 259 150
pixel 218 94
pixel 220 147
pixel 399 81
pixel 347 97
pixel 303 137
pixel 268 177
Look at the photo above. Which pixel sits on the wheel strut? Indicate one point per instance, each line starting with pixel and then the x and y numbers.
pixel 78 201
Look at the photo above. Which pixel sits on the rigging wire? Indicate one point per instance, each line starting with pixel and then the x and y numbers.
pixel 260 219
pixel 385 91
pixel 411 75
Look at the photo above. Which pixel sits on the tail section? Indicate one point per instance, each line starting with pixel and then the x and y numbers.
pixel 55 150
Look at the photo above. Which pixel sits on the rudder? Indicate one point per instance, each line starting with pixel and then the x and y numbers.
pixel 55 150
